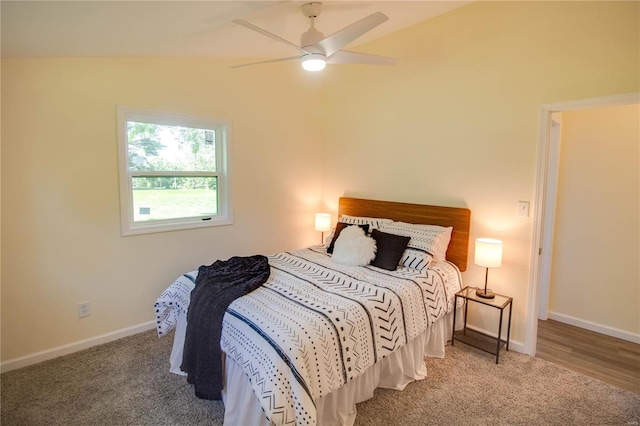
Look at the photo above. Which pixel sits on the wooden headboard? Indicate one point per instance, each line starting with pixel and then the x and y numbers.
pixel 459 218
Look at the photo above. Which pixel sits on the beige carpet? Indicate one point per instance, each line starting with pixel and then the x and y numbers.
pixel 127 383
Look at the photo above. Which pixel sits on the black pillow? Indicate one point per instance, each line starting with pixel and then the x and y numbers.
pixel 389 249
pixel 339 227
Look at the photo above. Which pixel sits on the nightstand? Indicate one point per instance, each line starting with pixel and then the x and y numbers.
pixel 474 338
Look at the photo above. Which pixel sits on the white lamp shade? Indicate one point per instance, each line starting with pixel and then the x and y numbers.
pixel 323 222
pixel 488 253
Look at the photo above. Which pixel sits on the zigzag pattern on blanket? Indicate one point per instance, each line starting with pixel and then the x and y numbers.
pixel 315 325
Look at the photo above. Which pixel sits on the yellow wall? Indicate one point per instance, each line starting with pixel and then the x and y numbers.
pixel 594 275
pixel 454 122
pixel 60 204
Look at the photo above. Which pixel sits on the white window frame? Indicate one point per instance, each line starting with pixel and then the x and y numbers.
pixel 223 148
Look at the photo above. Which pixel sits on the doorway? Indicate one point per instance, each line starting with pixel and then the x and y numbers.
pixel 545 206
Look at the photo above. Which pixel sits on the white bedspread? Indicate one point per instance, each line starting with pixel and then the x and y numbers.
pixel 316 325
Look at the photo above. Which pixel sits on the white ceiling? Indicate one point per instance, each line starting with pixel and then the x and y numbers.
pixel 187 28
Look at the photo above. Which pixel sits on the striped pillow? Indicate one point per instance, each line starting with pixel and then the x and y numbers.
pixel 428 243
pixel 373 222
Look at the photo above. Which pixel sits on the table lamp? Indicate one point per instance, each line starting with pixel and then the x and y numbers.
pixel 489 255
pixel 323 224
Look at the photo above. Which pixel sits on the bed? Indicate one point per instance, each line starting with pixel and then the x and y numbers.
pixel 318 337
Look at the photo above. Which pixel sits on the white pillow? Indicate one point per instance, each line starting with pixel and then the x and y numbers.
pixel 353 247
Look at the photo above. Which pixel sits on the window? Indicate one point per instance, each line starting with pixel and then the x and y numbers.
pixel 174 171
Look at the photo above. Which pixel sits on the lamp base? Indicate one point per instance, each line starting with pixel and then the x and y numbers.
pixel 485 294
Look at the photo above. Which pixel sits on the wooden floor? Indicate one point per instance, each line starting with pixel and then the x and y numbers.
pixel 609 359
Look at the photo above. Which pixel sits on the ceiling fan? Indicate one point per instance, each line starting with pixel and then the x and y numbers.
pixel 317 50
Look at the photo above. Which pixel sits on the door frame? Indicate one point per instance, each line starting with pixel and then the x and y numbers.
pixel 548 163
pixel 548 220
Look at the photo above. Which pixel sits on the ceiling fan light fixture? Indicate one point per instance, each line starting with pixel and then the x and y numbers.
pixel 313 62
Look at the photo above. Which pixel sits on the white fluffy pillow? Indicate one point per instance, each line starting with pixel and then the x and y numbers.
pixel 353 247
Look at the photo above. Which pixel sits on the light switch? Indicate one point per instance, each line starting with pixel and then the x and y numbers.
pixel 523 208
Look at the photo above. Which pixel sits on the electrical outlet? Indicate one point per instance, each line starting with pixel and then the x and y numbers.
pixel 83 309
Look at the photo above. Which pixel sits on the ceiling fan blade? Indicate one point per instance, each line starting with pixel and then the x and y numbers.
pixel 267 33
pixel 267 61
pixel 346 57
pixel 340 39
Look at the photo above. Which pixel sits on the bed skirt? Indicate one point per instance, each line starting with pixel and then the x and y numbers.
pixel 339 407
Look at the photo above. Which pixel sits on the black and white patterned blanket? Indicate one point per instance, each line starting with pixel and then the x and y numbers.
pixel 315 325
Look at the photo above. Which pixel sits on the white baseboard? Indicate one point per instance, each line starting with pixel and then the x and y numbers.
pixel 598 328
pixel 37 357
